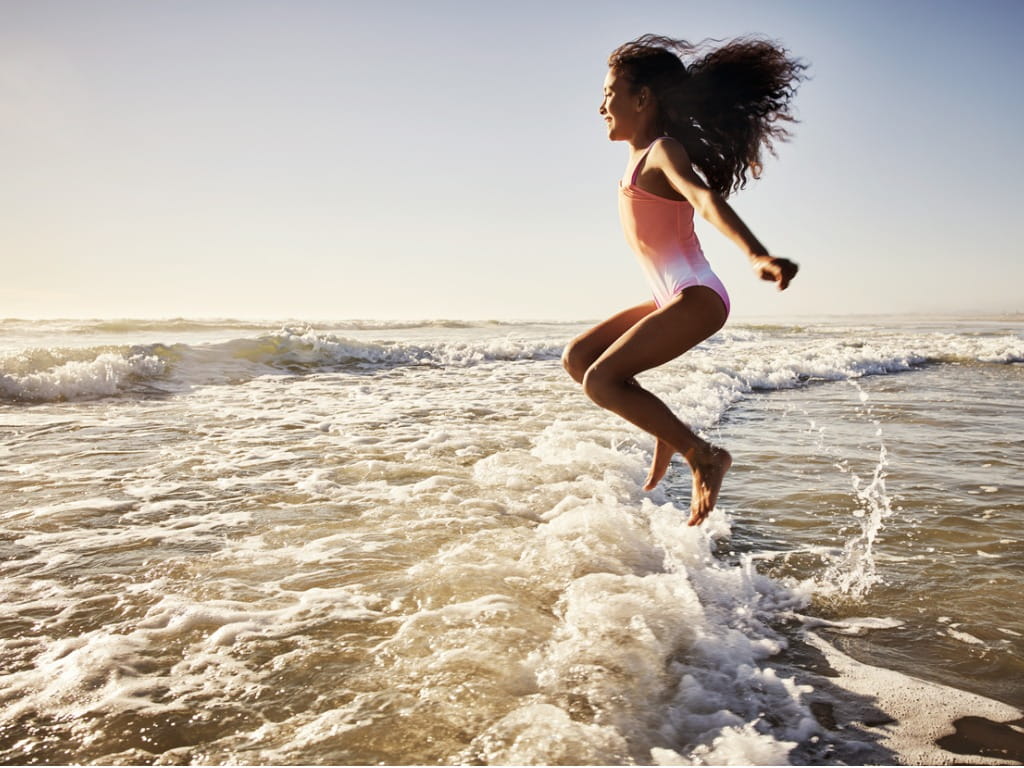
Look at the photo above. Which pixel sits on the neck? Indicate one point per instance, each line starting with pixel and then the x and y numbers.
pixel 642 139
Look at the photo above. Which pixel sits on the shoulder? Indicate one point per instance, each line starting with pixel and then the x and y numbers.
pixel 671 158
pixel 669 151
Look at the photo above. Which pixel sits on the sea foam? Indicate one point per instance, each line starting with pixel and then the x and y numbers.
pixel 741 359
pixel 342 548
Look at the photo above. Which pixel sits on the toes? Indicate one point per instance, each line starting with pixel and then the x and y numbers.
pixel 659 467
pixel 650 482
pixel 701 504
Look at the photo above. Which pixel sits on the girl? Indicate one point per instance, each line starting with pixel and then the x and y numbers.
pixel 693 131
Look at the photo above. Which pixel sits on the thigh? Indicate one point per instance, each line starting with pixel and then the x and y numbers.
pixel 591 344
pixel 663 335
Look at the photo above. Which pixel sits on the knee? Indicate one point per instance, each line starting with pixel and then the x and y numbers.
pixel 598 385
pixel 574 362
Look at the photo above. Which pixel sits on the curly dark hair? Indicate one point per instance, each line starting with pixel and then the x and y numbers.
pixel 723 106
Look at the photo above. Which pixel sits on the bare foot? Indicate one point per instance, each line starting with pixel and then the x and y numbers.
pixel 659 464
pixel 708 472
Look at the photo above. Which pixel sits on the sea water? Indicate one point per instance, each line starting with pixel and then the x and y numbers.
pixel 267 542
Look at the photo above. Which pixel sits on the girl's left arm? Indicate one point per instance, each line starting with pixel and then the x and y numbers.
pixel 674 161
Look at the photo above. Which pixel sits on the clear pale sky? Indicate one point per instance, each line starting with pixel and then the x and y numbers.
pixel 332 160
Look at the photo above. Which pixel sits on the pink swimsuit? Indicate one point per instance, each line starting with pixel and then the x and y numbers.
pixel 660 232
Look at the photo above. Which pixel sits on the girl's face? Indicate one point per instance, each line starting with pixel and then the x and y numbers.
pixel 620 108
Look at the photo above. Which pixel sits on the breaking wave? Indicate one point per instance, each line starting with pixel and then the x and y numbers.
pixel 747 359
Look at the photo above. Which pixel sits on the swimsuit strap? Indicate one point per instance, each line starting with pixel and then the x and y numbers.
pixel 643 157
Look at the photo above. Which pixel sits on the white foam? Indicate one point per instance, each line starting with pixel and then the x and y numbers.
pixel 107 374
pixel 740 745
pixel 737 363
pixel 852 625
pixel 648 615
pixel 105 669
pixel 964 637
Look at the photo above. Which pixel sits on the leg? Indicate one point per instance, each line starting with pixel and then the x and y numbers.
pixel 659 337
pixel 581 352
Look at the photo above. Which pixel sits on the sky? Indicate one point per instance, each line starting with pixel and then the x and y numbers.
pixel 416 160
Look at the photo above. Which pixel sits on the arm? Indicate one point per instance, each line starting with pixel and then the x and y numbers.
pixel 671 158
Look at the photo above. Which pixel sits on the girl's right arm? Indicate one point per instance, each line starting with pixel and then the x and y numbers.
pixel 671 158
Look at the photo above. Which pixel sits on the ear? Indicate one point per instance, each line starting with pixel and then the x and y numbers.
pixel 643 97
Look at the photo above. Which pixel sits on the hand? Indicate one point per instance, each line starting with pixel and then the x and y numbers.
pixel 774 269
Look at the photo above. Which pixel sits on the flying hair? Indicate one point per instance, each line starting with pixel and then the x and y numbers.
pixel 723 103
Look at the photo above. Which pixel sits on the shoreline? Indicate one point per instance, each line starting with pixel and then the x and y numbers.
pixel 878 716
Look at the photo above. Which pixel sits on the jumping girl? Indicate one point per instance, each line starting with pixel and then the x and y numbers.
pixel 694 130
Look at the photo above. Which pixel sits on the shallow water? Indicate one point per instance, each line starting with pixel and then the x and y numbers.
pixel 243 542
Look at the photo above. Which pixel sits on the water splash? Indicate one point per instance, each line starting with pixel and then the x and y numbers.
pixel 854 572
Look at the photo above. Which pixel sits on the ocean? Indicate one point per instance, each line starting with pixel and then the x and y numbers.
pixel 238 542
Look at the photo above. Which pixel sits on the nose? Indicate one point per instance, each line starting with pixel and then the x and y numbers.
pixel 601 110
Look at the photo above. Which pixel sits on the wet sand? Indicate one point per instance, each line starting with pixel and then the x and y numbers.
pixel 881 717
